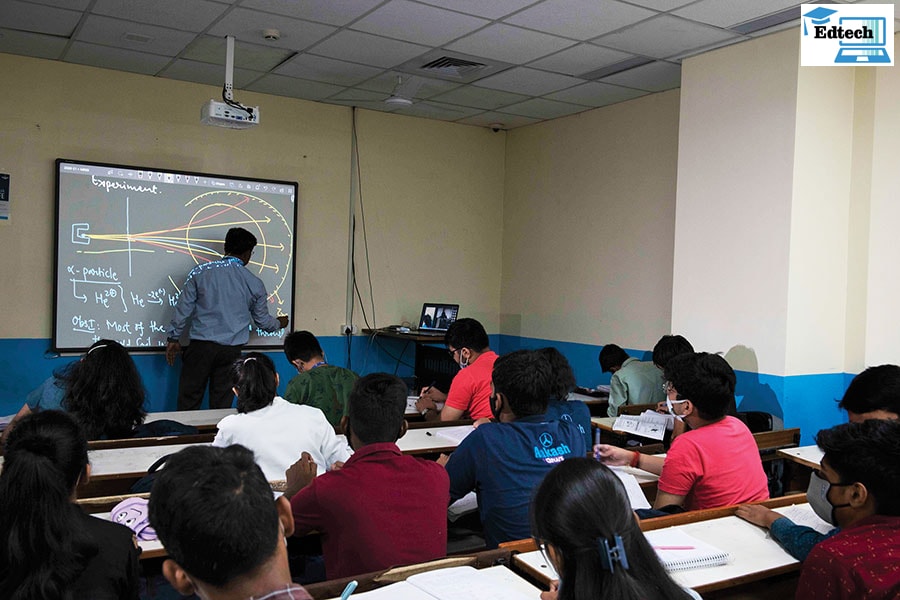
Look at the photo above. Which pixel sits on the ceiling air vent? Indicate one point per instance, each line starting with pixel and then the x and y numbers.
pixel 452 66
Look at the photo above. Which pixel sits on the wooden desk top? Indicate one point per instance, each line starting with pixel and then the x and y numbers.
pixel 115 463
pixel 755 556
pixel 808 456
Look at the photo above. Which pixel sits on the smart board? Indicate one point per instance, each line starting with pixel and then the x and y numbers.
pixel 127 237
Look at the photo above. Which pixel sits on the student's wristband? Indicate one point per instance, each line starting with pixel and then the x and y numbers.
pixel 635 459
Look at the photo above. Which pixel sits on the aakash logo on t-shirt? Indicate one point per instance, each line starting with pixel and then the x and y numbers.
pixel 548 453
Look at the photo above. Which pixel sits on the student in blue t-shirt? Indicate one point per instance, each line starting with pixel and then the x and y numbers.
pixel 506 460
pixel 559 407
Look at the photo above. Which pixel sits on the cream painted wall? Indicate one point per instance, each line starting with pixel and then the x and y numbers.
pixel 820 210
pixel 858 221
pixel 588 225
pixel 883 324
pixel 733 210
pixel 433 199
pixel 434 190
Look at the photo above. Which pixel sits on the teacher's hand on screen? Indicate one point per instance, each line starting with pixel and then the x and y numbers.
pixel 283 320
pixel 173 349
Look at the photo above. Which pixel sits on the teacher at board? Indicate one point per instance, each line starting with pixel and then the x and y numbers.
pixel 217 303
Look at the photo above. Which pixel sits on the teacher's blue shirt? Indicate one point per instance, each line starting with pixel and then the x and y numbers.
pixel 218 302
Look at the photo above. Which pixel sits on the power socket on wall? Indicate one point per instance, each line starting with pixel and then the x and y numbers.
pixel 349 329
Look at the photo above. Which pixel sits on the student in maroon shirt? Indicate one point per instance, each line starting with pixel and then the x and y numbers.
pixel 856 489
pixel 381 508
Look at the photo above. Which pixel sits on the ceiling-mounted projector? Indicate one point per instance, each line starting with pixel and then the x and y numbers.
pixel 220 114
pixel 229 113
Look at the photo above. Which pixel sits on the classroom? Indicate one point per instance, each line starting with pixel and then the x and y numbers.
pixel 749 210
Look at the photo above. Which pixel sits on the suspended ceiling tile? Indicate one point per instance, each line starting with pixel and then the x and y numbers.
pixel 210 74
pixel 37 45
pixel 596 94
pixel 531 82
pixel 579 19
pixel 329 70
pixel 293 87
pixel 367 49
pixel 138 37
pixel 504 121
pixel 510 44
pixel 725 13
pixel 36 18
pixel 331 12
pixel 418 23
pixel 255 57
pixel 580 59
pixel 490 9
pixel 248 26
pixel 386 82
pixel 654 77
pixel 477 97
pixel 664 36
pixel 541 108
pixel 119 59
pixel 195 15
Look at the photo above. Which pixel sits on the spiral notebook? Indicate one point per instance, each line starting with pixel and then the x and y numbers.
pixel 679 551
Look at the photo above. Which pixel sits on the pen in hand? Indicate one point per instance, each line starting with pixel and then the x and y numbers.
pixel 428 389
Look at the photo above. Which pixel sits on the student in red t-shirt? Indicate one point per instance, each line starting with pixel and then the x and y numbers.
pixel 470 392
pixel 856 489
pixel 714 464
pixel 381 508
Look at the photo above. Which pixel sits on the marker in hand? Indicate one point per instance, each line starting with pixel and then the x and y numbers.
pixel 349 589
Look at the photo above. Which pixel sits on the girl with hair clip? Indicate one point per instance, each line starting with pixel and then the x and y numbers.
pixel 583 522
pixel 49 548
pixel 103 391
pixel 277 431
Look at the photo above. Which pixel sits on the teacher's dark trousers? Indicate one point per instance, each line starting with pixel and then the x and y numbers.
pixel 206 363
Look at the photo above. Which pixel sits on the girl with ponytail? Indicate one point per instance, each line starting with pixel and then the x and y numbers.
pixel 277 431
pixel 49 548
pixel 581 518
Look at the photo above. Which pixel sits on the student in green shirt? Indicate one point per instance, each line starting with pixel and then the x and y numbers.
pixel 318 384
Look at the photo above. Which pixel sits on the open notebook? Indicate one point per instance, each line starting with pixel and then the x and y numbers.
pixel 455 583
pixel 679 551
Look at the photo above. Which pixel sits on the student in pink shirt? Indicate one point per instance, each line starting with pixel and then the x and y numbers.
pixel 714 464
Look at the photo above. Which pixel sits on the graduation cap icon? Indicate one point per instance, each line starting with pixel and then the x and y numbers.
pixel 819 16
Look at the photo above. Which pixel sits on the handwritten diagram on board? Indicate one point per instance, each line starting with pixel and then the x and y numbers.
pixel 127 238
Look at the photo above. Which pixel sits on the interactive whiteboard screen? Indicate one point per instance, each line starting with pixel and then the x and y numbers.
pixel 126 238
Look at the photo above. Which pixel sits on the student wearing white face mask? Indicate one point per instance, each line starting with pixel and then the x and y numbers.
pixel 468 345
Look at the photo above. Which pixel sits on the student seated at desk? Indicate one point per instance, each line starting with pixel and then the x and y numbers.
pixel 49 548
pixel 214 513
pixel 317 383
pixel 504 461
pixel 468 345
pixel 714 464
pixel 856 489
pixel 103 391
pixel 582 520
pixel 559 407
pixel 632 382
pixel 381 508
pixel 273 428
pixel 873 394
